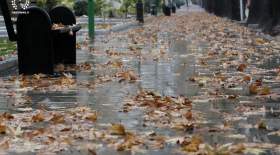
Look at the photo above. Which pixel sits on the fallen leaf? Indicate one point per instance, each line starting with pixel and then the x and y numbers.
pixel 247 78
pixel 188 115
pixel 253 89
pixel 241 67
pixel 118 129
pixel 265 91
pixel 3 129
pixel 91 117
pixel 4 145
pixel 193 145
pixel 57 119
pixel 38 117
pixel 262 125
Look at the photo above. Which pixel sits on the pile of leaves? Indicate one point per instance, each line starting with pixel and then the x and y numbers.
pixel 163 111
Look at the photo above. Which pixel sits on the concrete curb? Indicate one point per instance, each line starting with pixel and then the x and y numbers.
pixel 9 63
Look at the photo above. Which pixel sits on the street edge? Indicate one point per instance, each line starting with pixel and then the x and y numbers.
pixel 9 63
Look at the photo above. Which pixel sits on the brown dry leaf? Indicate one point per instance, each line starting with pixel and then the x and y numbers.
pixel 218 149
pixel 3 129
pixel 192 79
pixel 258 82
pixel 116 64
pixel 66 81
pixel 57 119
pixel 65 129
pixel 262 125
pixel 184 127
pixel 239 149
pixel 118 129
pixel 241 67
pixel 232 97
pixel 38 117
pixel 78 46
pixel 92 152
pixel 188 115
pixel 253 89
pixel 260 41
pixel 34 133
pixel 128 76
pixel 85 66
pixel 4 145
pixel 247 78
pixel 91 117
pixel 6 116
pixel 130 140
pixel 265 91
pixel 193 145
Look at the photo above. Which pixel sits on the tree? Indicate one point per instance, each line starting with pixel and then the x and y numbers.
pixel 127 5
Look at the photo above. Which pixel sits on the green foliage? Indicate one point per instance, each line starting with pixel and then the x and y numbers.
pixel 68 3
pixel 6 47
pixel 128 6
pixel 48 4
pixel 80 7
pixel 99 6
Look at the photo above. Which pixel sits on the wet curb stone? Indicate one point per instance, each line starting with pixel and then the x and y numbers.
pixel 119 28
pixel 8 63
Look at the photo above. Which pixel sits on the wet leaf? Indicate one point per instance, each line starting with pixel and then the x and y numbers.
pixel 7 116
pixel 239 149
pixel 57 119
pixel 127 76
pixel 218 150
pixel 188 115
pixel 38 117
pixel 253 89
pixel 193 145
pixel 3 129
pixel 241 67
pixel 265 91
pixel 262 125
pixel 247 78
pixel 260 41
pixel 118 129
pixel 91 117
pixel 4 145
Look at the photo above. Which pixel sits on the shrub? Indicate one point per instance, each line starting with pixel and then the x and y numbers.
pixel 80 7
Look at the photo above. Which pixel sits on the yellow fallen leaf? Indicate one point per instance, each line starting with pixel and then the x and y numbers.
pixel 265 91
pixel 260 41
pixel 118 129
pixel 193 145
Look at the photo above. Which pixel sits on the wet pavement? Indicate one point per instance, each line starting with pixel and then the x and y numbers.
pixel 170 62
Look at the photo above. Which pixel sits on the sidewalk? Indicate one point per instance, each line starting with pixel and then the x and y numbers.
pixel 190 83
